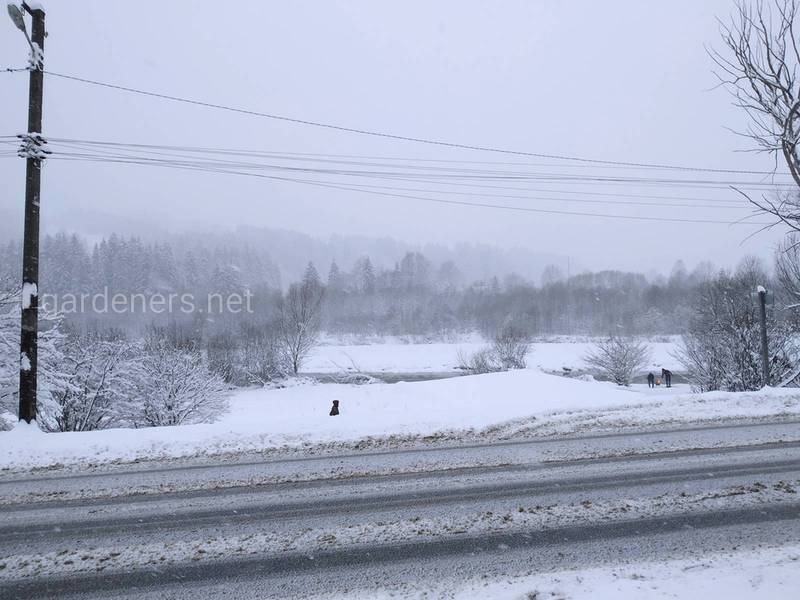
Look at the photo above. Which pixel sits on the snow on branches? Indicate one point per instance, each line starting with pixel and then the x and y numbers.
pixel 722 347
pixel 50 358
pixel 90 382
pixel 178 387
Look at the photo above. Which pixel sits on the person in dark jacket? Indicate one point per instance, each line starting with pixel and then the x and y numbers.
pixel 334 408
pixel 666 374
pixel 651 380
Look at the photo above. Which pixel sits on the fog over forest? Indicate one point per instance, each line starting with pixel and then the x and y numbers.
pixel 372 286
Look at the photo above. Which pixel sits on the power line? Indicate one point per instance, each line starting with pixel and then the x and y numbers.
pixel 327 157
pixel 465 175
pixel 335 159
pixel 215 165
pixel 398 137
pixel 145 161
pixel 248 166
pixel 411 197
pixel 548 211
pixel 101 148
pixel 737 206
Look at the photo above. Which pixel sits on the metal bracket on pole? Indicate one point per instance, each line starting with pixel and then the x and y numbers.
pixel 33 145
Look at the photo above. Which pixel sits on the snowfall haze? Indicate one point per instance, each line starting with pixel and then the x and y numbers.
pixel 627 81
pixel 352 299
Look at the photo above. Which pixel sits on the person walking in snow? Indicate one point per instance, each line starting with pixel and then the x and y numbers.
pixel 651 380
pixel 666 374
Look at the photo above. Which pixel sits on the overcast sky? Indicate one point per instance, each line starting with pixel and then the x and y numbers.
pixel 623 80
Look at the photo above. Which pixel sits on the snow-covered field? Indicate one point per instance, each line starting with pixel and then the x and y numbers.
pixel 482 407
pixel 394 356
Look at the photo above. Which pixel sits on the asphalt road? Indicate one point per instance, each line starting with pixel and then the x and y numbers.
pixel 170 505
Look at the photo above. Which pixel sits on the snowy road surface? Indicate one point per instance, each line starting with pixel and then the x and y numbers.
pixel 357 523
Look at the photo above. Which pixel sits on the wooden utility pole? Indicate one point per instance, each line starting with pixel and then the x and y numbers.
pixel 762 305
pixel 32 142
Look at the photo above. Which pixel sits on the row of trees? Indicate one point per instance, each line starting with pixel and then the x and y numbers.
pixel 413 297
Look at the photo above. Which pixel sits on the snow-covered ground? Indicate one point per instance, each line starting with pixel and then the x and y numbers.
pixel 498 405
pixel 394 356
pixel 772 573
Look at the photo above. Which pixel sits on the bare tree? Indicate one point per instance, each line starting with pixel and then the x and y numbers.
pixel 787 268
pixel 760 67
pixel 300 319
pixel 619 358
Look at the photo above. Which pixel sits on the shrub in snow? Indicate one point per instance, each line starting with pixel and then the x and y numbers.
pixel 252 356
pixel 510 347
pixel 101 379
pixel 482 361
pixel 221 352
pixel 177 387
pixel 618 358
pixel 260 360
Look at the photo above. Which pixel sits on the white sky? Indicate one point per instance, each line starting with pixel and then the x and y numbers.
pixel 622 80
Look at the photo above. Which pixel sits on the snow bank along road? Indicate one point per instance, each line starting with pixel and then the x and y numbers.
pixel 334 524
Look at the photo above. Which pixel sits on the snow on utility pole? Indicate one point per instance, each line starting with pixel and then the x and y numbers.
pixel 762 306
pixel 34 152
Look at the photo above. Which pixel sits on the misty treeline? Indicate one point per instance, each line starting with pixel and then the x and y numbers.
pixel 411 297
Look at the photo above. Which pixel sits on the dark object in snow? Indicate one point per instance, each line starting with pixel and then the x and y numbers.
pixel 651 380
pixel 334 408
pixel 667 375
